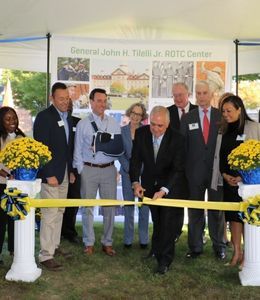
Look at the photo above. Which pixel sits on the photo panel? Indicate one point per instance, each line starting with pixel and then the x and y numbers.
pixel 73 69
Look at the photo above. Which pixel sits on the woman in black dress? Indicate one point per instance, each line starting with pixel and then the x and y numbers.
pixel 236 128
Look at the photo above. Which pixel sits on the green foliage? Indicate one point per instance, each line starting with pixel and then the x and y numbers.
pixel 143 91
pixel 249 91
pixel 250 77
pixel 29 89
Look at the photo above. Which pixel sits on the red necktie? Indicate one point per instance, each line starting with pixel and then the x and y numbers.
pixel 205 126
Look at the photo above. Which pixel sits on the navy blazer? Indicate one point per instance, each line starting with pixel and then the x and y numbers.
pixel 174 115
pixel 167 171
pixel 47 130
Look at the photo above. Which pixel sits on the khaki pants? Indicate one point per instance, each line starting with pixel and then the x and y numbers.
pixel 51 221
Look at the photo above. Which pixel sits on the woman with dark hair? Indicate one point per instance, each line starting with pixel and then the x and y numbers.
pixel 136 113
pixel 236 127
pixel 9 130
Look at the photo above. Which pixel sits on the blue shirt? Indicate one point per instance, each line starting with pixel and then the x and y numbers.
pixel 83 151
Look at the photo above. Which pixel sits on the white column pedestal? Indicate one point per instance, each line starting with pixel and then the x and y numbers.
pixel 24 267
pixel 250 274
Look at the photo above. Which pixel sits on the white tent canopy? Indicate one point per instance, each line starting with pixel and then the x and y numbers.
pixel 127 20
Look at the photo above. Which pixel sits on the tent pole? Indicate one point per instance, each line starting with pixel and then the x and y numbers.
pixel 48 35
pixel 236 77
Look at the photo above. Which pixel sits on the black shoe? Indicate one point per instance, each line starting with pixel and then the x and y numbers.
pixel 128 246
pixel 143 246
pixel 74 240
pixel 161 270
pixel 192 254
pixel 220 255
pixel 228 244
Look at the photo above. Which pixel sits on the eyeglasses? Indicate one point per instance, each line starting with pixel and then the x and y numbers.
pixel 136 114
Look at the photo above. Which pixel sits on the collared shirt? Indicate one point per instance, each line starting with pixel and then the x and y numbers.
pixel 83 151
pixel 201 115
pixel 64 116
pixel 186 109
pixel 159 139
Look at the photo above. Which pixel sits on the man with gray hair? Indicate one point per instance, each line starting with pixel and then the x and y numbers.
pixel 200 129
pixel 181 106
pixel 156 174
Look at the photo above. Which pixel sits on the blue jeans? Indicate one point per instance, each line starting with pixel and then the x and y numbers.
pixel 143 215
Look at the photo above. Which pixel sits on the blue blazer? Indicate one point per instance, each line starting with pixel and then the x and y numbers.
pixel 47 130
pixel 128 145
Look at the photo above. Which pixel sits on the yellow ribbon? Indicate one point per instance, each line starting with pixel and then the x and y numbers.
pixel 250 210
pixel 78 202
pixel 251 213
pixel 15 203
pixel 234 206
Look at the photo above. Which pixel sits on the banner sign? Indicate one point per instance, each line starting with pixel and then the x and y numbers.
pixel 132 71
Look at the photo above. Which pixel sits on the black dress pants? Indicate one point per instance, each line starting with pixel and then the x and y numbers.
pixel 68 230
pixel 166 222
pixel 6 222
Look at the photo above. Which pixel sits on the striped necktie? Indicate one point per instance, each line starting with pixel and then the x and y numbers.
pixel 155 147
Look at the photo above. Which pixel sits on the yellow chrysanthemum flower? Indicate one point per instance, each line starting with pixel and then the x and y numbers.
pixel 246 156
pixel 25 152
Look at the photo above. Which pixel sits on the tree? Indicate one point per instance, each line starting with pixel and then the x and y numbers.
pixel 249 91
pixel 117 88
pixel 29 89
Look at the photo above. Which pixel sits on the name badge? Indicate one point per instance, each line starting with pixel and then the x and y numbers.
pixel 241 137
pixel 74 129
pixel 193 126
pixel 60 123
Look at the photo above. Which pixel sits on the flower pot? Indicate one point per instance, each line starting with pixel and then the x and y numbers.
pixel 251 176
pixel 25 174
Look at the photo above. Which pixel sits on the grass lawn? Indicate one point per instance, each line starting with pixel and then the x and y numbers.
pixel 127 276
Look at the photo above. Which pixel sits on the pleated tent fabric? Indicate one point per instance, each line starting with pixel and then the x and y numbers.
pixel 166 20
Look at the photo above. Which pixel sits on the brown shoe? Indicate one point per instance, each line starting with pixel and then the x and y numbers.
pixel 109 250
pixel 51 265
pixel 89 250
pixel 60 252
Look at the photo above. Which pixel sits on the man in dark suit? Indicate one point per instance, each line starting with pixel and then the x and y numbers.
pixel 68 230
pixel 53 127
pixel 181 104
pixel 161 176
pixel 200 129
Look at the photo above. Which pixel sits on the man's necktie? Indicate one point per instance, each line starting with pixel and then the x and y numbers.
pixel 155 147
pixel 182 112
pixel 205 126
pixel 64 116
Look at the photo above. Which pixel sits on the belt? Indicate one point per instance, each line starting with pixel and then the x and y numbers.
pixel 99 165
